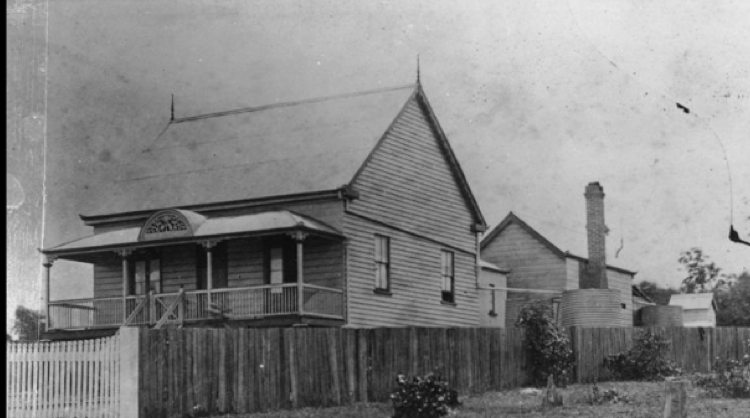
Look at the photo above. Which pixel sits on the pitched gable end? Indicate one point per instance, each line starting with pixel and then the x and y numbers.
pixel 412 180
pixel 453 161
pixel 419 97
pixel 510 219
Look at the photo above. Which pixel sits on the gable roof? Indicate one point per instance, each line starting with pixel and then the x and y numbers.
pixel 693 300
pixel 275 150
pixel 279 149
pixel 512 218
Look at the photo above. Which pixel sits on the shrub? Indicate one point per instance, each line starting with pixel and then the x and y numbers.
pixel 647 360
pixel 548 348
pixel 730 378
pixel 422 397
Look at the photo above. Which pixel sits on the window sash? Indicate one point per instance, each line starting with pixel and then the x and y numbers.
pixel 140 277
pixel 381 258
pixel 154 275
pixel 447 273
pixel 276 265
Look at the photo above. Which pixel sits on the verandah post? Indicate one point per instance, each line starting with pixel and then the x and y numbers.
pixel 124 254
pixel 209 246
pixel 299 237
pixel 49 260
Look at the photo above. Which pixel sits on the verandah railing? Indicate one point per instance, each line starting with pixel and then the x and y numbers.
pixel 235 303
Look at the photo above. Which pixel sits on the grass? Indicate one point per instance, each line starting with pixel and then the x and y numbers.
pixel 646 400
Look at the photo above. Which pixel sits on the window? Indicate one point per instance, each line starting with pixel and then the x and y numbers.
pixel 275 265
pixel 448 285
pixel 144 274
pixel 280 265
pixel 382 258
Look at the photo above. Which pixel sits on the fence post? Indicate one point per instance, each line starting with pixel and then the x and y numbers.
pixel 129 362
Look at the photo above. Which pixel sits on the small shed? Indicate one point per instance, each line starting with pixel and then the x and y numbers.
pixel 492 294
pixel 698 309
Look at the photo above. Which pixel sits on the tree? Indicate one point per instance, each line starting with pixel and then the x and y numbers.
pixel 27 323
pixel 659 295
pixel 702 274
pixel 733 302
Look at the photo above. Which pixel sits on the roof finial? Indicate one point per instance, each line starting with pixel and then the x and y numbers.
pixel 418 69
pixel 172 117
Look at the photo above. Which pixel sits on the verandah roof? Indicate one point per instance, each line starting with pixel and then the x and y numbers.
pixel 257 223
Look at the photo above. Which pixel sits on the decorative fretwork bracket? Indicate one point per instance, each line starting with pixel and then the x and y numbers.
pixel 298 236
pixel 124 252
pixel 210 243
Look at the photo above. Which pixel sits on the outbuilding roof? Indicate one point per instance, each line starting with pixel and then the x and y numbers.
pixel 693 300
pixel 512 218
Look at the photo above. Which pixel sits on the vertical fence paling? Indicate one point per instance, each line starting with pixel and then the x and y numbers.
pixel 59 379
pixel 253 370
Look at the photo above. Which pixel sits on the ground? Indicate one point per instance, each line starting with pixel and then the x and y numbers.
pixel 646 400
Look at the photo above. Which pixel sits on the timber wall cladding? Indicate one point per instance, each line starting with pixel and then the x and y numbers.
pixel 532 265
pixel 251 370
pixel 408 183
pixel 415 281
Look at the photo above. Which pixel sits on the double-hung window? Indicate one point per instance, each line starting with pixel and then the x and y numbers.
pixel 382 259
pixel 448 276
pixel 144 274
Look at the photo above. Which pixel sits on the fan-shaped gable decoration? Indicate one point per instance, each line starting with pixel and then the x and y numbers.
pixel 170 223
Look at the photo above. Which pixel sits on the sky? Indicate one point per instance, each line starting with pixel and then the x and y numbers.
pixel 537 98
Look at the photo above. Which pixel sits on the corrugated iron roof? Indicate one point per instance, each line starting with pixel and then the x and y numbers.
pixel 281 149
pixel 693 300
pixel 257 222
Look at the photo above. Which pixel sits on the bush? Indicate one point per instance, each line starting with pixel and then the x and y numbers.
pixel 547 347
pixel 648 360
pixel 422 397
pixel 730 378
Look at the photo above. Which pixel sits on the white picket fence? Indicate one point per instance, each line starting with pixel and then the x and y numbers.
pixel 64 379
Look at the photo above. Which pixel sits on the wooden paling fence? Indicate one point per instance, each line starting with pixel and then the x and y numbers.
pixel 693 349
pixel 63 379
pixel 249 370
pixel 168 372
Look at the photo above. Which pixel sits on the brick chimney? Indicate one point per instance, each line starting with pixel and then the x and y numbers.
pixel 596 277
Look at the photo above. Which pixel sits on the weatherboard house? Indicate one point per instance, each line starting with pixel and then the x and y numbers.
pixel 340 211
